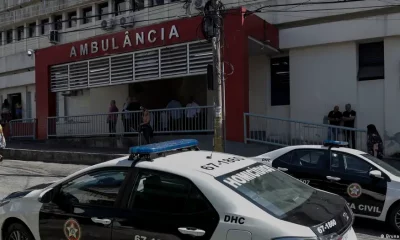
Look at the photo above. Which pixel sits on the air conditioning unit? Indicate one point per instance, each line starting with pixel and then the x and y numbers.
pixel 198 4
pixel 126 22
pixel 108 24
pixel 54 36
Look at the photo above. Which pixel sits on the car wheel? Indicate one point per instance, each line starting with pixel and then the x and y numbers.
pixel 18 231
pixel 394 218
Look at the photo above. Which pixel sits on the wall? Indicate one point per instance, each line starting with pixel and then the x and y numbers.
pixel 351 30
pixel 392 95
pixel 17 79
pixel 324 76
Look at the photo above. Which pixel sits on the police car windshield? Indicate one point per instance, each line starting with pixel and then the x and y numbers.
pixel 382 164
pixel 271 190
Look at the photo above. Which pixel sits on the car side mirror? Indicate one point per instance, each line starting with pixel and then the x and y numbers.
pixel 46 196
pixel 376 174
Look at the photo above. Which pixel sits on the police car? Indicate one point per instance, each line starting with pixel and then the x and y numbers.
pixel 172 191
pixel 370 186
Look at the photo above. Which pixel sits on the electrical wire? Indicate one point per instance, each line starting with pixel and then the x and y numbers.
pixel 331 9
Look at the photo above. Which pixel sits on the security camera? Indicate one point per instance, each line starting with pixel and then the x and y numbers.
pixel 30 52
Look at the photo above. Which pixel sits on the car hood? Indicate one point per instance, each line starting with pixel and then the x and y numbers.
pixel 323 212
pixel 23 193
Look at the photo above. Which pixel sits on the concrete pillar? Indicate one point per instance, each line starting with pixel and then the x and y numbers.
pixel 37 29
pixel 26 31
pixel 79 21
pixel 51 27
pixel 64 21
pixel 94 12
pixel 110 8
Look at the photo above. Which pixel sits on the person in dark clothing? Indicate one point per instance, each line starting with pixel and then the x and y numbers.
pixel 374 142
pixel 112 118
pixel 145 126
pixel 349 117
pixel 132 117
pixel 335 118
pixel 6 111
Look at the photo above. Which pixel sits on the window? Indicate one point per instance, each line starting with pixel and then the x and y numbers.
pixel 280 81
pixel 371 62
pixel 167 193
pixel 87 15
pixel 58 22
pixel 119 7
pixel 274 191
pixel 286 158
pixel 103 10
pixel 311 158
pixel 72 19
pixel 20 33
pixel 137 5
pixel 98 188
pixel 383 164
pixel 350 164
pixel 45 26
pixel 9 36
pixel 32 30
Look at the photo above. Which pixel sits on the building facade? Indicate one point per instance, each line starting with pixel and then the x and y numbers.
pixel 336 53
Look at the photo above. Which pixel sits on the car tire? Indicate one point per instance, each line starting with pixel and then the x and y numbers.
pixel 18 231
pixel 394 218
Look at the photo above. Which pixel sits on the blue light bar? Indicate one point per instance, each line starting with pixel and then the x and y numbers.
pixel 335 143
pixel 164 146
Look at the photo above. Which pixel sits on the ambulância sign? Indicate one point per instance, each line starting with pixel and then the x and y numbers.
pixel 129 40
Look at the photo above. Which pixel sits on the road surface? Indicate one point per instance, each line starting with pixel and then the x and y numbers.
pixel 18 175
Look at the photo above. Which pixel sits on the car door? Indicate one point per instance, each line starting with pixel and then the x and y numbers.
pixel 83 207
pixel 365 194
pixel 308 165
pixel 167 207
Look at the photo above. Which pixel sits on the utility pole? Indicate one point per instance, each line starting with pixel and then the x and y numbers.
pixel 219 145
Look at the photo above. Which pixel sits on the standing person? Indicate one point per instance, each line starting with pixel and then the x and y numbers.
pixel 374 142
pixel 5 111
pixel 349 117
pixel 130 118
pixel 112 118
pixel 192 114
pixel 2 141
pixel 18 111
pixel 335 118
pixel 145 126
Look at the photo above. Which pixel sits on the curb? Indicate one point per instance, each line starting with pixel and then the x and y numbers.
pixel 63 157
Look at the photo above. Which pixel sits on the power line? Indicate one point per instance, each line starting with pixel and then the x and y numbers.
pixel 331 9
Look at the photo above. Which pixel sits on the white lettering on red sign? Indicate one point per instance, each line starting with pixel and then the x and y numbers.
pixel 140 39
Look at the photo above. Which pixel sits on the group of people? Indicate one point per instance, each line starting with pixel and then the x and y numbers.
pixel 347 119
pixel 6 111
pixel 135 117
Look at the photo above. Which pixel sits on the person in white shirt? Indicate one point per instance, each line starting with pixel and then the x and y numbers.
pixel 192 114
pixel 173 115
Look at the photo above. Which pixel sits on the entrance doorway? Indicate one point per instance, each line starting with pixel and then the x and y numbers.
pixel 15 100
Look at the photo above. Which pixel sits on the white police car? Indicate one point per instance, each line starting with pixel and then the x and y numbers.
pixel 370 186
pixel 190 194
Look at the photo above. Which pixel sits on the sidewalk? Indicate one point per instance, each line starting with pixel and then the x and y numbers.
pixel 70 154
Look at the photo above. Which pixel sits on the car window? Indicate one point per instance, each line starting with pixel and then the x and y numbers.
pixel 382 164
pixel 286 158
pixel 350 164
pixel 167 193
pixel 311 158
pixel 99 188
pixel 271 190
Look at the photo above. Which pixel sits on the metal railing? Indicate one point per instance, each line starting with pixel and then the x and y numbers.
pixel 176 120
pixel 287 132
pixel 23 128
